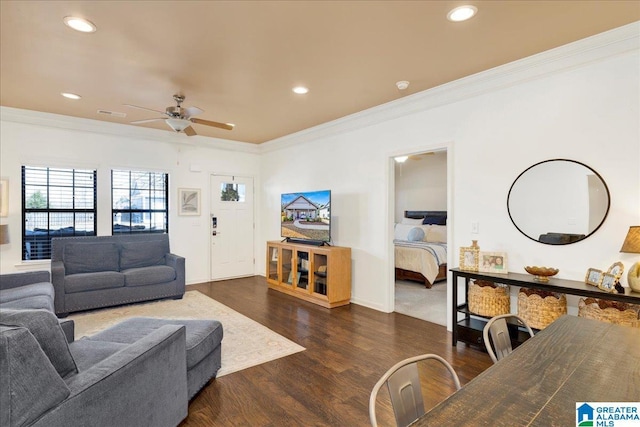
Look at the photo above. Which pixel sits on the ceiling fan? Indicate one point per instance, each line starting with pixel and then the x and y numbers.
pixel 180 119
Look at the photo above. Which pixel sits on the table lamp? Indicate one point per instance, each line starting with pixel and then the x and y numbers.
pixel 632 245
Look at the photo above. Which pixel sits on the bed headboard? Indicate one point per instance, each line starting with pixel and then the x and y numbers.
pixel 439 217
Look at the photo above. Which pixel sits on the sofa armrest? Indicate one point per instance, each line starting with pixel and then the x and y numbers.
pixel 69 329
pixel 145 383
pixel 57 279
pixel 178 263
pixel 14 280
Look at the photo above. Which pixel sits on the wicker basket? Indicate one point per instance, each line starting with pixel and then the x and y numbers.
pixel 488 299
pixel 610 311
pixel 540 308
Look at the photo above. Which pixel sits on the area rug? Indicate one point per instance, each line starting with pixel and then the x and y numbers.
pixel 245 343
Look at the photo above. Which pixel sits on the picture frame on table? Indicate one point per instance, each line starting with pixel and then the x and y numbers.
pixel 189 201
pixel 593 277
pixel 469 258
pixel 608 282
pixel 616 269
pixel 274 254
pixel 493 262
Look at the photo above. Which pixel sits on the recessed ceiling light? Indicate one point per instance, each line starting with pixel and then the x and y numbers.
pixel 300 90
pixel 70 95
pixel 462 13
pixel 79 24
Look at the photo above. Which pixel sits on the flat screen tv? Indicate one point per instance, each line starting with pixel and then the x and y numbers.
pixel 306 216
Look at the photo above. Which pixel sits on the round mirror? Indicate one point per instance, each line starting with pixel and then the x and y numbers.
pixel 558 202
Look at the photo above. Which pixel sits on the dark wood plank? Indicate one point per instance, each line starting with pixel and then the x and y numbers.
pixel 347 350
pixel 540 382
pixel 607 374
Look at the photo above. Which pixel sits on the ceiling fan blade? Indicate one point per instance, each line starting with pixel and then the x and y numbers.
pixel 192 111
pixel 137 122
pixel 189 131
pixel 145 108
pixel 214 124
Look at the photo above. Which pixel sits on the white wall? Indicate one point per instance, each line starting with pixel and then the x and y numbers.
pixel 71 142
pixel 421 184
pixel 580 102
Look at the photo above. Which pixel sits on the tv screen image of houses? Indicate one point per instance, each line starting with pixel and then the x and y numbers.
pixel 306 215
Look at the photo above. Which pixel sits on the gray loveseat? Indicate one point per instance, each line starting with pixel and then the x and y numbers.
pixel 46 381
pixel 103 271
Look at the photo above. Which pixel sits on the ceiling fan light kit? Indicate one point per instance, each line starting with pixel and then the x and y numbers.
pixel 180 119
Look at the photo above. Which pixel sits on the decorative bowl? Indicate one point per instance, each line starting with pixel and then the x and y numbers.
pixel 541 274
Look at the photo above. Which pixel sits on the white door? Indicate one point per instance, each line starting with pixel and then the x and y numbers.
pixel 231 227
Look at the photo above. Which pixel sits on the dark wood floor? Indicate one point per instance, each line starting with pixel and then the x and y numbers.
pixel 347 351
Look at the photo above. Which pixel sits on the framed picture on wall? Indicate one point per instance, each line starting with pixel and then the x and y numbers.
pixel 493 262
pixel 189 201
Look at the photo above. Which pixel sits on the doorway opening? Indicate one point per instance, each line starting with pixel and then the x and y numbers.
pixel 419 288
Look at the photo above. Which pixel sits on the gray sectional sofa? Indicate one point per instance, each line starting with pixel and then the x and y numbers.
pixel 103 271
pixel 46 381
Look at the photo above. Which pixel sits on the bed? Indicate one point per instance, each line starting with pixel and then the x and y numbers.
pixel 421 255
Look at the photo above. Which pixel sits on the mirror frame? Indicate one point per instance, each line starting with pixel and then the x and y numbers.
pixel 562 160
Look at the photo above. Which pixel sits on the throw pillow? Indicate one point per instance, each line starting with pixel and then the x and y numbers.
pixel 436 220
pixel 437 234
pixel 416 234
pixel 46 329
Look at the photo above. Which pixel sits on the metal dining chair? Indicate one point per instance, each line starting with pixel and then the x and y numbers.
pixel 403 382
pixel 496 335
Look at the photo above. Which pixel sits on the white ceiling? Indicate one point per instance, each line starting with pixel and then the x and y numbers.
pixel 238 60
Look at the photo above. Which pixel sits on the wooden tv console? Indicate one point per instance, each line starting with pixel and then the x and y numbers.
pixel 318 274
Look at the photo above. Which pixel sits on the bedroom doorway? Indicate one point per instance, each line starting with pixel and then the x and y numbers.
pixel 421 184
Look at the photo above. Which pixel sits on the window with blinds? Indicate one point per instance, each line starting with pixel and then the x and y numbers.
pixel 56 202
pixel 140 202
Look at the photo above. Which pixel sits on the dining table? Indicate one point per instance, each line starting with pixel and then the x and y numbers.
pixel 573 360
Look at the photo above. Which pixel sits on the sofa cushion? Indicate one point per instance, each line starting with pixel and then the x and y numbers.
pixel 30 384
pixel 30 303
pixel 34 289
pixel 93 281
pixel 149 275
pixel 142 254
pixel 87 353
pixel 203 336
pixel 46 329
pixel 91 257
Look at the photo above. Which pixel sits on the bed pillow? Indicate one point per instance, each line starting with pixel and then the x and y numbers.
pixel 401 231
pixel 436 234
pixel 412 221
pixel 435 220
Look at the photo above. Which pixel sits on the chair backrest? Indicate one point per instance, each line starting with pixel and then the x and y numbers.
pixel 403 381
pixel 496 335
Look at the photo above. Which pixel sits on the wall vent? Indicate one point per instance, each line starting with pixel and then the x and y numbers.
pixel 112 113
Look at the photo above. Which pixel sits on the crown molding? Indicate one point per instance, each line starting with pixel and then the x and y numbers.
pixel 599 47
pixel 38 118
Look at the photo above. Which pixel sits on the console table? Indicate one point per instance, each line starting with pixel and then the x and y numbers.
pixel 469 329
